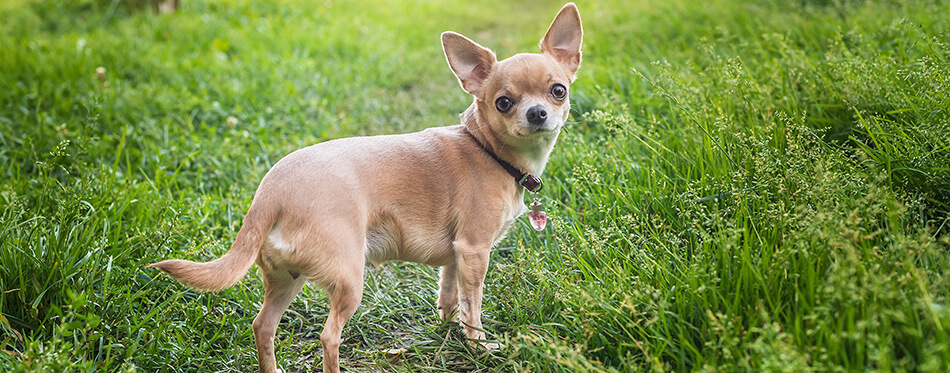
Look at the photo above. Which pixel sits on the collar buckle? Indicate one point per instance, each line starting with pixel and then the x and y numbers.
pixel 532 183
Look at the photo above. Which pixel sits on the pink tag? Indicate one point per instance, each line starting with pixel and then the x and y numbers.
pixel 538 220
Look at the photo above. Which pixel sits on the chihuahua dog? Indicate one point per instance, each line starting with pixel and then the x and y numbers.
pixel 442 197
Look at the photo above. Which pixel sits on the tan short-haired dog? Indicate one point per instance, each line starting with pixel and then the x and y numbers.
pixel 442 197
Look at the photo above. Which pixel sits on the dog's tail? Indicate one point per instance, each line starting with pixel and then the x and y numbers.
pixel 227 270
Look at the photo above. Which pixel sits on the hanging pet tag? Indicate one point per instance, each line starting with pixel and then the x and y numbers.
pixel 537 217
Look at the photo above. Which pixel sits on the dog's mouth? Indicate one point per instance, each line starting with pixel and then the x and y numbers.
pixel 542 130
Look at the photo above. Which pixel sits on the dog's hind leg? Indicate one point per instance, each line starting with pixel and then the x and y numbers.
pixel 345 296
pixel 280 288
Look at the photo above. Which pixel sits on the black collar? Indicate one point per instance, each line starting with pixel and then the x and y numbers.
pixel 530 182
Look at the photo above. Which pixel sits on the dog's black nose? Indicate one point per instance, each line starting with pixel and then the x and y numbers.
pixel 536 114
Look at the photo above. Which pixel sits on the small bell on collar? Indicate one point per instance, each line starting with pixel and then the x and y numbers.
pixel 537 217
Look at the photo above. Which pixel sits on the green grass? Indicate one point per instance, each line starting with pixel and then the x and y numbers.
pixel 744 186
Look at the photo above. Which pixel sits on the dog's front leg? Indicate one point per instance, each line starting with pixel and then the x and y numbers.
pixel 472 262
pixel 448 292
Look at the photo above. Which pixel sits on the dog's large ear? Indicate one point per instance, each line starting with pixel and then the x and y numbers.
pixel 470 62
pixel 563 39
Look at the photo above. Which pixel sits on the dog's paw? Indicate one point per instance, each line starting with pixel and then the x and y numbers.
pixel 485 345
pixel 449 317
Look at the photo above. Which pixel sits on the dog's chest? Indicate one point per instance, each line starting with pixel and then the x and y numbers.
pixel 516 209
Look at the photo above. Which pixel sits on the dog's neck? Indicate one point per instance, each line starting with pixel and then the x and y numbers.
pixel 529 157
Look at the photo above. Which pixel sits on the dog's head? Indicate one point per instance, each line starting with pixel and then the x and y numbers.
pixel 523 99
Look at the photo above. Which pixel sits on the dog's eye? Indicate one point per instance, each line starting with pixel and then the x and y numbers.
pixel 558 91
pixel 503 104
